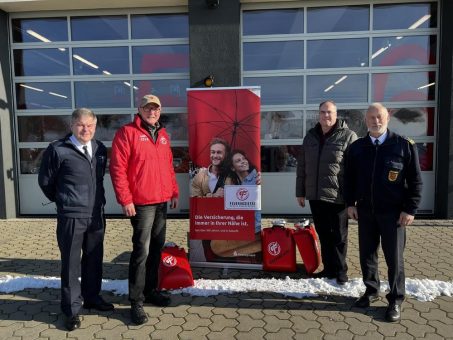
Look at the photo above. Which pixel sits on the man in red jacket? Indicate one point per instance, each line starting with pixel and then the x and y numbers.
pixel 144 180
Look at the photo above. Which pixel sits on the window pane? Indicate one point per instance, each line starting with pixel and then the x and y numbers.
pixel 42 128
pixel 172 92
pixel 160 59
pixel 425 156
pixel 107 125
pixel 181 159
pixel 279 55
pixel 176 125
pixel 281 158
pixel 39 30
pixel 408 86
pixel 409 50
pixel 278 90
pixel 33 96
pixel 100 60
pixel 412 122
pixel 113 27
pixel 282 125
pixel 405 16
pixel 338 19
pixel 337 53
pixel 95 94
pixel 282 21
pixel 30 160
pixel 355 119
pixel 350 88
pixel 160 26
pixel 41 62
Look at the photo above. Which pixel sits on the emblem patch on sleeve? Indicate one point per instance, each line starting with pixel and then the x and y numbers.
pixel 393 175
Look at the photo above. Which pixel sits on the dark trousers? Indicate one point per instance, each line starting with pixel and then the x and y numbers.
pixel 331 223
pixel 76 235
pixel 148 238
pixel 374 228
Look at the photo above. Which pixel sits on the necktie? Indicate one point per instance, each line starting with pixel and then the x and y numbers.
pixel 85 151
pixel 376 142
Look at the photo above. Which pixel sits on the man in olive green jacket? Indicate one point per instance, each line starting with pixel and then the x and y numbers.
pixel 320 180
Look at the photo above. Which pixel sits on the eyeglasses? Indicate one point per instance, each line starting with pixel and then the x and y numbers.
pixel 150 108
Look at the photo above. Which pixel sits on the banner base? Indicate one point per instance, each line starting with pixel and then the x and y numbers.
pixel 227 265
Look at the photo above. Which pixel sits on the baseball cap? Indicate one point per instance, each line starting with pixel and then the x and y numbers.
pixel 149 98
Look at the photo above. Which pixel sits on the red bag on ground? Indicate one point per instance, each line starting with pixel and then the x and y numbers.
pixel 279 251
pixel 308 244
pixel 174 268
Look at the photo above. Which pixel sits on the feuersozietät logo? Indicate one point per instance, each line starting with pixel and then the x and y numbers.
pixel 242 194
pixel 274 248
pixel 169 261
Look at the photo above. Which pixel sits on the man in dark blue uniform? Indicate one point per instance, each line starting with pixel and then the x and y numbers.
pixel 72 175
pixel 382 190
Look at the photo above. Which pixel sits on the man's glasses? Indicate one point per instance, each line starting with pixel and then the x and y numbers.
pixel 150 108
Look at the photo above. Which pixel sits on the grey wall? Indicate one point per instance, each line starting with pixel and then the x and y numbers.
pixel 7 187
pixel 444 185
pixel 215 43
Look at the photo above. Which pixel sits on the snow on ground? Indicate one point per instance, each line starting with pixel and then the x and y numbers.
pixel 420 289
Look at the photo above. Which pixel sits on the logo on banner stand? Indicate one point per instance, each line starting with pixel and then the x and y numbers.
pixel 169 261
pixel 242 194
pixel 274 248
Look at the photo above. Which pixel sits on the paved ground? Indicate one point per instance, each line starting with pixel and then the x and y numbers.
pixel 28 247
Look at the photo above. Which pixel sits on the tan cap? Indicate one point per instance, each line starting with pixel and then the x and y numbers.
pixel 149 98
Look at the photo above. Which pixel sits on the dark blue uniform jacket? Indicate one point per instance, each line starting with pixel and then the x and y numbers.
pixel 385 178
pixel 68 178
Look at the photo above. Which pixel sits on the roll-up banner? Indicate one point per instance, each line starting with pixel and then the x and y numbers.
pixel 225 178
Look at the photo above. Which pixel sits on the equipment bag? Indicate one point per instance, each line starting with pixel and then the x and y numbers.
pixel 308 244
pixel 279 251
pixel 174 268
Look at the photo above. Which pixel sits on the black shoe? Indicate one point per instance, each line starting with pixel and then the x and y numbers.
pixel 324 274
pixel 365 300
pixel 342 279
pixel 72 322
pixel 157 298
pixel 99 305
pixel 138 315
pixel 393 313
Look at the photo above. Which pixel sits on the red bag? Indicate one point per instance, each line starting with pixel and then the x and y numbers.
pixel 308 244
pixel 174 268
pixel 279 251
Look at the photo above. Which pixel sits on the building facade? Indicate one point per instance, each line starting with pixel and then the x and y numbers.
pixel 56 56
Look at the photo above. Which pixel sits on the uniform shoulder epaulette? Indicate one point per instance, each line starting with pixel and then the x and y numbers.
pixel 410 140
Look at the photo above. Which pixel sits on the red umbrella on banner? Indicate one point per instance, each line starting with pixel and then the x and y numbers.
pixel 230 114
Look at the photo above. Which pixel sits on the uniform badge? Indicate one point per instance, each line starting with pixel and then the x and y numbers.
pixel 393 175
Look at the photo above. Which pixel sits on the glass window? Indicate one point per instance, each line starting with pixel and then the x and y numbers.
pixel 94 94
pixel 282 158
pixel 42 128
pixel 160 26
pixel 107 125
pixel 337 53
pixel 341 88
pixel 33 96
pixel 282 125
pixel 338 19
pixel 39 30
pixel 100 60
pixel 171 92
pixel 407 86
pixel 277 55
pixel 408 50
pixel 112 27
pixel 412 122
pixel 181 159
pixel 41 62
pixel 278 90
pixel 405 16
pixel 176 125
pixel 30 160
pixel 354 118
pixel 425 156
pixel 160 59
pixel 279 21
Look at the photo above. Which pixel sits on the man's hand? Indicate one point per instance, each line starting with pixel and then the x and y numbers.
pixel 129 210
pixel 258 178
pixel 218 193
pixel 174 202
pixel 405 219
pixel 301 201
pixel 352 213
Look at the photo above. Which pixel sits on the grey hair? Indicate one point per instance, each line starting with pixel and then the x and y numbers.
pixel 377 107
pixel 78 113
pixel 328 101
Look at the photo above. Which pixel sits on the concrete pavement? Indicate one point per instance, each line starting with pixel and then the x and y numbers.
pixel 28 247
